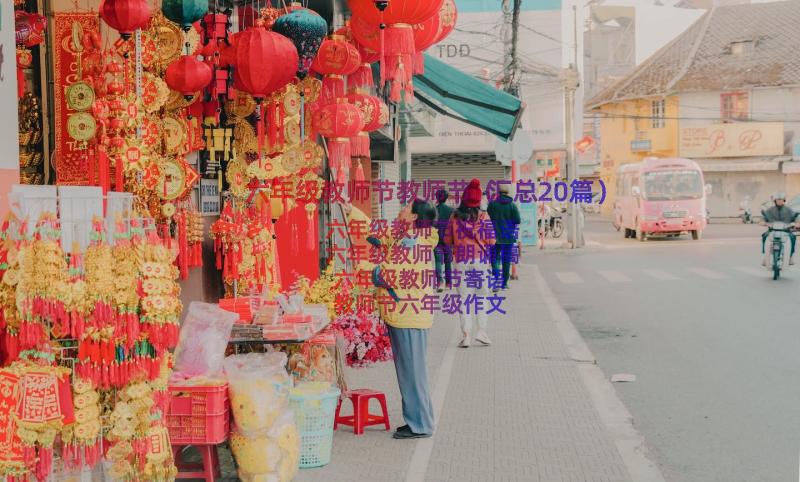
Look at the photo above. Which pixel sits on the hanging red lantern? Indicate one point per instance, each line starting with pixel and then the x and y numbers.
pixel 396 47
pixel 362 77
pixel 338 122
pixel 263 61
pixel 433 31
pixel 375 115
pixel 335 59
pixel 399 11
pixel 126 16
pixel 188 75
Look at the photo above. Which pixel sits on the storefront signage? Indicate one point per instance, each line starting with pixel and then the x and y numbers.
pixel 209 197
pixel 643 145
pixel 744 139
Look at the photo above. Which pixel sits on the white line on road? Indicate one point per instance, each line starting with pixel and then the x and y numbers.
pixel 613 276
pixel 707 273
pixel 617 419
pixel 418 467
pixel 752 271
pixel 568 277
pixel 660 275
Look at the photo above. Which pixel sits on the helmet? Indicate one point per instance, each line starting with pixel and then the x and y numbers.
pixel 778 195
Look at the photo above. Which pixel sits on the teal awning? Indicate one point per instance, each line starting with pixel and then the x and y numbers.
pixel 454 93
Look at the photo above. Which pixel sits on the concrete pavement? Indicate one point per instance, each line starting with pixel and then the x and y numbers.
pixel 532 407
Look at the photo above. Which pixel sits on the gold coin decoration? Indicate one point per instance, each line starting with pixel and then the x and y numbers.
pixel 312 154
pixel 292 132
pixel 176 100
pixel 80 96
pixel 174 132
pixel 81 126
pixel 244 137
pixel 293 160
pixel 291 102
pixel 155 92
pixel 242 106
pixel 238 178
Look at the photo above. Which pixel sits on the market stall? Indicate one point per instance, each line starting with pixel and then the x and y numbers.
pixel 162 140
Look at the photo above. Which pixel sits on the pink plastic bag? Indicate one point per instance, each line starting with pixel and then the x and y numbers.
pixel 204 337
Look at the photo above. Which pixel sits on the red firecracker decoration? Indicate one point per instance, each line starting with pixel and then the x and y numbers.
pixel 188 75
pixel 126 16
pixel 335 59
pixel 338 122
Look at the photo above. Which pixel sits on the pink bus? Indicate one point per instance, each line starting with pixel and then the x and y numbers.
pixel 661 197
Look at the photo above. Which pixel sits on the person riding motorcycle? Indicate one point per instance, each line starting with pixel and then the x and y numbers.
pixel 780 212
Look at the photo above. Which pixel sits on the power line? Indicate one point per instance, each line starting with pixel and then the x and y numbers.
pixel 611 115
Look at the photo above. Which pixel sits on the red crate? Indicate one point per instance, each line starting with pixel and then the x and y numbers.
pixel 198 415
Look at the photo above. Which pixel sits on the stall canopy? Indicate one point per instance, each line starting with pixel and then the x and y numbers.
pixel 454 93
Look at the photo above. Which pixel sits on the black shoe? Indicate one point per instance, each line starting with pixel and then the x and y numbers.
pixel 439 289
pixel 404 428
pixel 409 435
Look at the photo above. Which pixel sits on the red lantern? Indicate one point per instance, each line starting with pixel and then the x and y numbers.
pixel 338 122
pixel 398 11
pixel 126 16
pixel 448 16
pixel 188 75
pixel 263 61
pixel 362 77
pixel 396 56
pixel 375 115
pixel 433 31
pixel 336 58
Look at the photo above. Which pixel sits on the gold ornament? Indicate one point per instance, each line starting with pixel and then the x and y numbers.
pixel 81 126
pixel 242 106
pixel 174 130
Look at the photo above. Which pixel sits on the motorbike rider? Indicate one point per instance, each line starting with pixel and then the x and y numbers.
pixel 780 212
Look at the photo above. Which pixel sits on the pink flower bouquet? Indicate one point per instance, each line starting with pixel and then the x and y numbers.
pixel 366 339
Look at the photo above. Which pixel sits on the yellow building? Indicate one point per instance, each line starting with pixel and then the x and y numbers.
pixel 632 130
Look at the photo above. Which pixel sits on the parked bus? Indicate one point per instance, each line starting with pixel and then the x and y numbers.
pixel 661 197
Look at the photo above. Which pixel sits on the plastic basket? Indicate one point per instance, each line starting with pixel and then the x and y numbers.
pixel 314 416
pixel 198 415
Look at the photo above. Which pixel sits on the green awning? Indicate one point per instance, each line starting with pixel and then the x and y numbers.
pixel 454 93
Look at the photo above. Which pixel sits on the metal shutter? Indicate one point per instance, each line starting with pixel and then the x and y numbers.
pixel 456 173
pixel 387 210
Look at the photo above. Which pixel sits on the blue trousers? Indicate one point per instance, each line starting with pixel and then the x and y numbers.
pixel 410 348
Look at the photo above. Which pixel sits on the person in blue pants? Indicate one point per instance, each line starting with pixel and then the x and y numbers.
pixel 408 328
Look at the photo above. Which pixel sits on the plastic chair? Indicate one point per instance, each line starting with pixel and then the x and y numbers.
pixel 361 417
pixel 207 469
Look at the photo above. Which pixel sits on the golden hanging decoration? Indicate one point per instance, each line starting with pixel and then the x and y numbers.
pixel 174 132
pixel 169 39
pixel 242 106
pixel 311 88
pixel 292 160
pixel 155 92
pixel 244 137
pixel 238 178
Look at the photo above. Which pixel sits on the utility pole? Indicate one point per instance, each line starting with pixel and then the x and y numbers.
pixel 571 84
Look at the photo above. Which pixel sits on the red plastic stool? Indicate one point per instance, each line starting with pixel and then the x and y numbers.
pixel 361 417
pixel 207 469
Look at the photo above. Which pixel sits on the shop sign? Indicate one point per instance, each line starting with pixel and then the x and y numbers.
pixel 643 145
pixel 744 139
pixel 209 197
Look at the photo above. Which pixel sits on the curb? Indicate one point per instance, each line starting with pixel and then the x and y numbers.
pixel 615 416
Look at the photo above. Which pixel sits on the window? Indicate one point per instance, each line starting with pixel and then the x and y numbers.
pixel 658 113
pixel 734 106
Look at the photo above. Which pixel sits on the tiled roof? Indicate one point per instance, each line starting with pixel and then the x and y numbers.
pixel 701 58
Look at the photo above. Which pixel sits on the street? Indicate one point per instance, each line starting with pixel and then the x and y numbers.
pixel 711 338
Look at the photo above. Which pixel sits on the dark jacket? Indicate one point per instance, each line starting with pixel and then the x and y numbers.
pixel 783 214
pixel 443 213
pixel 505 218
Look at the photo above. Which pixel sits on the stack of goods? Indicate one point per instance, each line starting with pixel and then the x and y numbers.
pixel 264 441
pixel 247 333
pixel 314 360
pixel 242 306
pixel 30 138
pixel 268 313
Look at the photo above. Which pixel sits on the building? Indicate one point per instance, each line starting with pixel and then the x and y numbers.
pixel 725 93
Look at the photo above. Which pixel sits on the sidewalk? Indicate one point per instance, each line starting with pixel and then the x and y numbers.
pixel 532 407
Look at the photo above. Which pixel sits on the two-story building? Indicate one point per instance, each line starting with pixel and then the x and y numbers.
pixel 725 93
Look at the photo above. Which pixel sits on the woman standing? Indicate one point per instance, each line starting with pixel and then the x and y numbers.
pixel 470 233
pixel 408 325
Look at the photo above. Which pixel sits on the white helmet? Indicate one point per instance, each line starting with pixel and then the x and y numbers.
pixel 778 195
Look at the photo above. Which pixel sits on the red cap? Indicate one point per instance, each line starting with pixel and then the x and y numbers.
pixel 472 194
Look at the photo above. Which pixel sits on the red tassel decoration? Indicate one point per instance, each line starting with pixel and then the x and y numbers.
pixel 311 230
pixel 419 63
pixel 361 78
pixel 359 145
pixel 359 172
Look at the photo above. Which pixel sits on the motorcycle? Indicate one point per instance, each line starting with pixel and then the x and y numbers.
pixel 776 246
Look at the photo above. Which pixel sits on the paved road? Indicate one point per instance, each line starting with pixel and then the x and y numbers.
pixel 712 340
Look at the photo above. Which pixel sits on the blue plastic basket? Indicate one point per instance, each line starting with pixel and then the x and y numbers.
pixel 313 415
